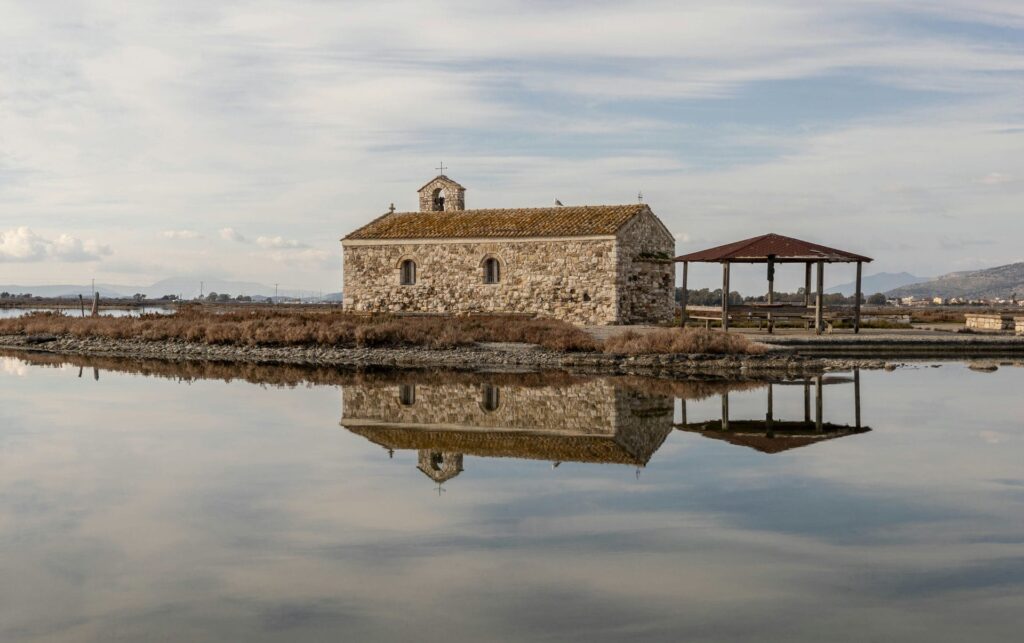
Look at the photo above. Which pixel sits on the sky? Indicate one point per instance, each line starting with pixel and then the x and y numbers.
pixel 240 140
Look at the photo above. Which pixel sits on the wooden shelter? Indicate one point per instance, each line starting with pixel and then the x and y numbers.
pixel 772 249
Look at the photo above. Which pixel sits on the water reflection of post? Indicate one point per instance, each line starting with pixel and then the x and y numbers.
pixel 818 404
pixel 725 411
pixel 770 429
pixel 807 390
pixel 856 394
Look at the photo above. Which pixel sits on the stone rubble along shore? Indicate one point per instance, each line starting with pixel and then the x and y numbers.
pixel 480 357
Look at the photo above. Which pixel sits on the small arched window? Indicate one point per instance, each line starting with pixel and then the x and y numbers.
pixel 491 398
pixel 492 271
pixel 408 270
pixel 437 461
pixel 407 394
pixel 438 204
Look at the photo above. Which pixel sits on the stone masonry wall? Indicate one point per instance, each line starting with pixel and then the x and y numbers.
pixel 588 408
pixel 989 321
pixel 454 196
pixel 645 274
pixel 570 280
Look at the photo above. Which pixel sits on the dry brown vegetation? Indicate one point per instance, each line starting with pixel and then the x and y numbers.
pixel 269 327
pixel 681 340
pixel 264 327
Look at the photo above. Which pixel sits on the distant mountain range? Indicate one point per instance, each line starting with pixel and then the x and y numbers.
pixel 187 288
pixel 991 283
pixel 880 282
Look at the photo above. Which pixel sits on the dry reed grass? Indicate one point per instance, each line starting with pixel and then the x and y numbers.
pixel 681 340
pixel 264 327
pixel 268 327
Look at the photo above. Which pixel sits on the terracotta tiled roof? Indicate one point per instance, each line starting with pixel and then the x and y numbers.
pixel 784 249
pixel 787 435
pixel 567 221
pixel 511 444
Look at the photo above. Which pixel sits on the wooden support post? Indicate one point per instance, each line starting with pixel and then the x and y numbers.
pixel 685 295
pixel 819 300
pixel 682 412
pixel 856 396
pixel 818 408
pixel 807 290
pixel 725 295
pixel 856 303
pixel 807 286
pixel 725 411
pixel 95 304
pixel 81 304
pixel 771 292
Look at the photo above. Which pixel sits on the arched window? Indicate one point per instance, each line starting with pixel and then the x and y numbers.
pixel 491 398
pixel 438 200
pixel 407 394
pixel 492 271
pixel 408 269
pixel 437 461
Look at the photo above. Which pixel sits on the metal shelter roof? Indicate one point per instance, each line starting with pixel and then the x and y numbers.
pixel 779 248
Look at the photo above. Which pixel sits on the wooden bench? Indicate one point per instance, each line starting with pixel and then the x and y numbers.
pixel 768 313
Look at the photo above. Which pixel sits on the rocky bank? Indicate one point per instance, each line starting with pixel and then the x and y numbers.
pixel 484 356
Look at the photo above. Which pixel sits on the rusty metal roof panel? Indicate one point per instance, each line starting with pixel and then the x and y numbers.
pixel 781 248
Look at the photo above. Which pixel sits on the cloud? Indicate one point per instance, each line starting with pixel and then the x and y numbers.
pixel 994 178
pixel 22 245
pixel 733 117
pixel 682 236
pixel 308 258
pixel 181 234
pixel 279 243
pixel 230 234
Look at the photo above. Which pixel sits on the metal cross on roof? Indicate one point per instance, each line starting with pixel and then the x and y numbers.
pixel 442 168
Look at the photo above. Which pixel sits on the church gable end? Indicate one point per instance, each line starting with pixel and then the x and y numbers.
pixel 442 195
pixel 645 279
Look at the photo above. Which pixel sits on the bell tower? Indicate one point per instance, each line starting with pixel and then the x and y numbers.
pixel 442 194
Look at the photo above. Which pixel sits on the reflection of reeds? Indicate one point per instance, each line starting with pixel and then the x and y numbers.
pixel 267 327
pixel 691 389
pixel 286 375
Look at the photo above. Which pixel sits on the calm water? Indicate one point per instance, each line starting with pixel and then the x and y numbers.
pixel 8 313
pixel 142 503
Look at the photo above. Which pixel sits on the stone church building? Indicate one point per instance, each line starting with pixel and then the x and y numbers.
pixel 593 264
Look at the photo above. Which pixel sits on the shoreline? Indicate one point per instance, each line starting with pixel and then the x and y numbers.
pixel 777 362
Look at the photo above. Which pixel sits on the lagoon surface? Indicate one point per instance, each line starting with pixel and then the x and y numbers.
pixel 140 501
pixel 75 311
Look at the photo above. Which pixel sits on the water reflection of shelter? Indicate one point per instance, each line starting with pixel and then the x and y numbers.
pixel 589 421
pixel 773 435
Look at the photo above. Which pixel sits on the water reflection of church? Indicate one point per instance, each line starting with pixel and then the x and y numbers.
pixel 601 420
pixel 595 421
